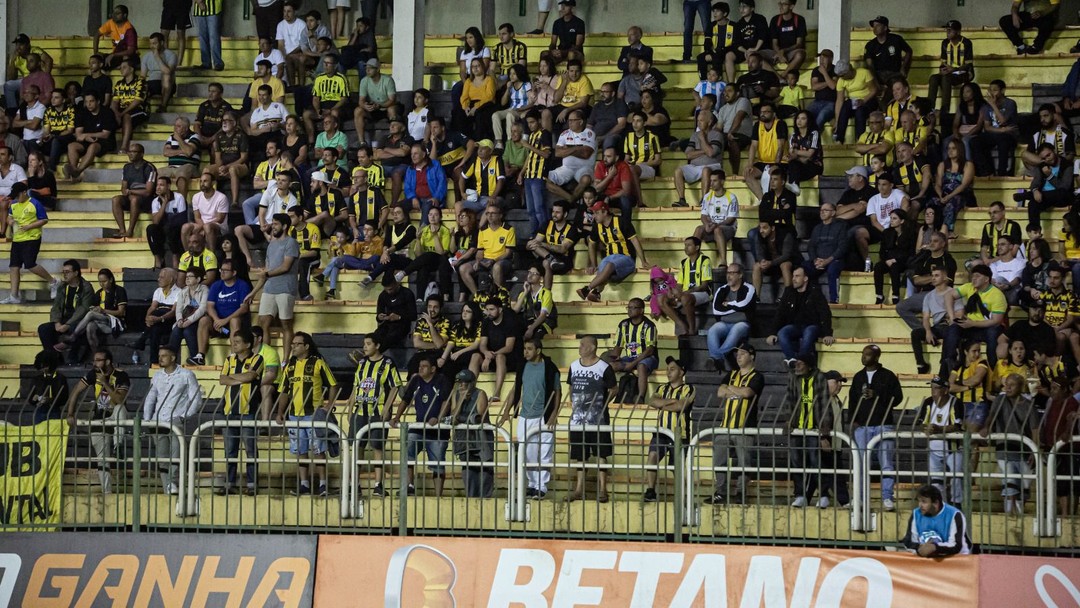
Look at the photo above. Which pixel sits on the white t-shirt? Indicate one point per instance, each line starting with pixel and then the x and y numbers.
pixel 294 34
pixel 35 111
pixel 167 300
pixel 275 111
pixel 176 205
pixel 274 203
pixel 417 124
pixel 469 55
pixel 584 138
pixel 15 174
pixel 720 209
pixel 882 207
pixel 276 60
pixel 208 208
pixel 1008 271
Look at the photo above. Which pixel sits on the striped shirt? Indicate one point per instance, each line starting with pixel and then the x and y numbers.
pixel 330 88
pixel 507 57
pixel 376 178
pixel 975 393
pixel 641 148
pixel 308 237
pixel 741 412
pixel 553 235
pixel 330 203
pixel 243 398
pixel 486 175
pixel 212 7
pixel 536 166
pixel 677 422
pixel 635 339
pixel 373 381
pixel 705 87
pixel 127 92
pixel 615 236
pixel 367 206
pixel 695 273
pixel 304 380
pixel 519 97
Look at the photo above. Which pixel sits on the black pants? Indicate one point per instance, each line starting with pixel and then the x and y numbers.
pixel 1051 199
pixel 945 83
pixel 837 482
pixel 154 335
pixel 983 144
pixel 717 62
pixel 58 148
pixel 391 335
pixel 1044 25
pixel 918 339
pixel 861 115
pixel 267 19
pixel 800 171
pixel 306 269
pixel 425 266
pixel 896 276
pixel 166 234
pixel 48 335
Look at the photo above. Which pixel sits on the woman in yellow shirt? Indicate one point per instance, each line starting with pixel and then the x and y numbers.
pixel 1070 246
pixel 1016 363
pixel 478 101
pixel 969 383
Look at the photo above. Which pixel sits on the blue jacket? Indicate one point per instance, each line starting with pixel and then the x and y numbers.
pixel 436 179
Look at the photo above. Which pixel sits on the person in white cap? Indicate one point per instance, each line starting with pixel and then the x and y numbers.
pixel 377 98
pixel 328 206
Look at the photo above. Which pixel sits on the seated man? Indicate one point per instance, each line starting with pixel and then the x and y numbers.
pixel 326 207
pixel 635 347
pixel 230 154
pixel 616 239
pixel 95 136
pixel 827 250
pixel 264 126
pixel 494 252
pixel 695 283
pixel 329 95
pixel 137 187
pixel 262 180
pixel 1053 130
pixel 71 302
pixel 705 153
pixel 210 114
pixel 751 37
pixel 122 35
pixel 576 147
pixel 777 255
pixel 856 95
pixel 876 140
pixel 129 101
pixel 1041 16
pixel 1060 312
pixel 1051 187
pixel 719 213
pixel 757 84
pixel 1000 132
pixel 485 175
pixel 574 91
pixel 1008 268
pixel 430 334
pixel 210 211
pixel 276 199
pixel 227 309
pixel 956 68
pixel 377 99
pixel 500 343
pixel 802 318
pixel 982 319
pixel 733 306
pixel 555 243
pixel 426 193
pixel 198 256
pixel 614 181
pixel 182 155
pixel 642 149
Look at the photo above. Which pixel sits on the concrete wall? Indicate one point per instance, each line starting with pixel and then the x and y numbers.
pixel 40 17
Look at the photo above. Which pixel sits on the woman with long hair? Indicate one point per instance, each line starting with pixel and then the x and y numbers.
pixel 1033 279
pixel 1016 361
pixel 106 316
pixel 970 381
pixel 657 118
pixel 463 348
pixel 295 141
pixel 954 185
pixel 229 250
pixel 543 91
pixel 478 102
pixel 517 100
pixel 897 247
pixel 40 180
pixel 805 148
pixel 472 47
pixel 969 118
pixel 1070 246
pixel 932 222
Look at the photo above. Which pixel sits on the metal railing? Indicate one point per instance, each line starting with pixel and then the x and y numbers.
pixel 1052 525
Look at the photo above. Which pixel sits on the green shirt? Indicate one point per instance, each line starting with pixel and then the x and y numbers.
pixel 514 154
pixel 533 393
pixel 427 239
pixel 377 92
pixel 339 141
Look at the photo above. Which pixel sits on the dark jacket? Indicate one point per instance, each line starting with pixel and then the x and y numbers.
pixel 71 315
pixel 551 386
pixel 1063 181
pixel 804 308
pixel 878 410
pixel 784 249
pixel 897 245
pixel 829 241
pixel 737 307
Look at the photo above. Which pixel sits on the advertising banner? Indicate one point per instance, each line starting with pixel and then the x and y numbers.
pixel 448 572
pixel 1009 581
pixel 151 569
pixel 31 474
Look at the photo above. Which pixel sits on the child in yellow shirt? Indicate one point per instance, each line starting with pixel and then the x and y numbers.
pixel 791 97
pixel 346 253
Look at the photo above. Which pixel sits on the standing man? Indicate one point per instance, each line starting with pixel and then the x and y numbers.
pixel 208 17
pixel 268 13
pixel 303 384
pixel 111 387
pixel 808 398
pixel 241 374
pixel 279 281
pixel 173 398
pixel 535 401
pixel 376 383
pixel 427 393
pixel 739 392
pixel 18 68
pixel 591 383
pixel 27 218
pixel 936 529
pixel 691 8
pixel 943 413
pixel 675 402
pixel 175 15
pixel 875 392
pixel 500 343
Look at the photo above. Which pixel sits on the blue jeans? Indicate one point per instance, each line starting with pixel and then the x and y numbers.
pixel 885 454
pixel 798 341
pixel 334 266
pixel 11 93
pixel 536 203
pixel 233 436
pixel 210 40
pixel 832 271
pixel 689 8
pixel 425 205
pixel 251 209
pixel 188 334
pixel 822 111
pixel 724 337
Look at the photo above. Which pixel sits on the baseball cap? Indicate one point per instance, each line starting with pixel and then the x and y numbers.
pixel 748 348
pixel 18 188
pixel 22 39
pixel 835 375
pixel 485 143
pixel 826 52
pixel 372 63
pixel 599 206
pixel 568 2
pixel 320 176
pixel 939 381
pixel 882 19
pixel 678 362
pixel 465 376
pixel 858 170
pixel 953 25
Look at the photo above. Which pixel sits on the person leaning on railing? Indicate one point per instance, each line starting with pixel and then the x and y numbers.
pixel 674 402
pixel 808 398
pixel 474 447
pixel 303 381
pixel 1014 413
pixel 936 529
pixel 110 393
pixel 173 398
pixel 740 392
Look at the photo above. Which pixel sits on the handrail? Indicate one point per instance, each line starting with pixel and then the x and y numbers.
pixel 266 424
pixel 692 469
pixel 182 460
pixel 1050 526
pixel 403 429
pixel 1040 507
pixel 522 482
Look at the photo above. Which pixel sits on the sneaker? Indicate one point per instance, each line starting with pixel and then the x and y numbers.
pixel 366 281
pixel 399 276
pixel 303 490
pixel 539 495
pixel 307 298
pixel 888 504
pixel 793 188
pixel 846 506
pixel 378 490
pixel 594 296
pixel 54 287
pixel 869 266
pixel 879 299
pixel 1033 50
pixel 322 490
pixel 716 499
pixel 572 496
pixel 411 490
pixel 602 497
pixel 583 292
pixel 1021 49
pixel 680 203
pixel 319 278
pixel 799 502
pixel 895 300
pixel 923 369
pixel 536 32
pixel 650 495
pixel 530 492
pixel 11 300
pixel 331 294
pixel 224 490
pixel 198 360
pixel 823 502
pixel 789 363
pixel 432 289
pixel 172 489
pixel 251 491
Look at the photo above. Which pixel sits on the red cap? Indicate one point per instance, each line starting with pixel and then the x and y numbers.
pixel 599 206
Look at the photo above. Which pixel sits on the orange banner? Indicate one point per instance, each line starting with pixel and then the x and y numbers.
pixel 447 572
pixel 1008 581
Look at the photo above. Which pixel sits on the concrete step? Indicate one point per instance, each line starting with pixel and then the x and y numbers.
pixel 75 235
pixel 84 205
pixel 198 89
pixel 111 176
pixel 56 264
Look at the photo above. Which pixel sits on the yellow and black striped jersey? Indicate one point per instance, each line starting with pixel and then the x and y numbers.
pixel 694 273
pixel 462 336
pixel 677 422
pixel 303 381
pixel 373 381
pixel 635 339
pixel 126 92
pixel 376 177
pixel 330 203
pixel 308 236
pixel 741 412
pixel 212 7
pixel 614 237
pixel 976 393
pixel 367 206
pixel 485 177
pixel 243 398
pixel 805 418
pixel 554 235
pixel 641 148
pixel 206 260
pixel 506 57
pixel 536 166
pixel 329 88
pixel 423 331
pixel 909 178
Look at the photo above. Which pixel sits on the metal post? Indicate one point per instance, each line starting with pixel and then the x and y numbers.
pixel 403 489
pixel 966 505
pixel 136 509
pixel 679 489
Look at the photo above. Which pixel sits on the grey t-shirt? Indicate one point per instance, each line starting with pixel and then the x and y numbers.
pixel 533 393
pixel 152 66
pixel 934 303
pixel 725 116
pixel 276 252
pixel 604 116
pixel 716 140
pixel 588 392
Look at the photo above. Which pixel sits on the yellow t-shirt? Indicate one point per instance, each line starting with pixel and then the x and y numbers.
pixel 20 62
pixel 277 92
pixel 575 91
pixel 791 96
pixel 1072 246
pixel 859 85
pixel 495 241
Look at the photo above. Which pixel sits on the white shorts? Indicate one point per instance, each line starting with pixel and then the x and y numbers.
pixel 701 297
pixel 692 173
pixel 647 171
pixel 278 305
pixel 332 4
pixel 564 174
pixel 544 6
